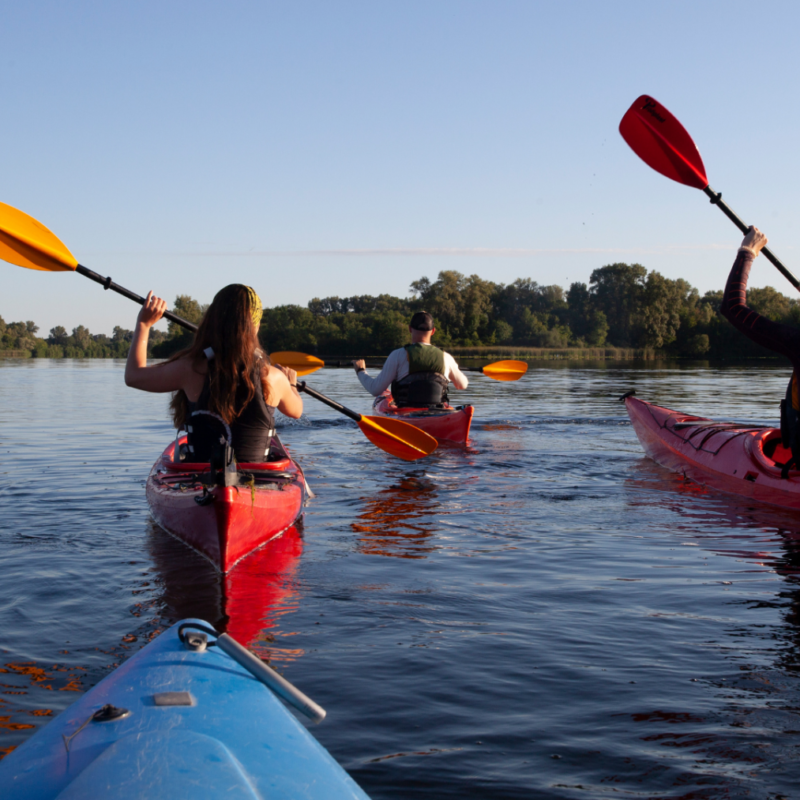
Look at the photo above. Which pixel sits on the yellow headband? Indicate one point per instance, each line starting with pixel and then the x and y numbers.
pixel 256 309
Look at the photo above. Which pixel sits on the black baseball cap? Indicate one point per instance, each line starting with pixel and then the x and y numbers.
pixel 422 321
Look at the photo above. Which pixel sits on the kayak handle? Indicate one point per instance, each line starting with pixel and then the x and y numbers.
pixel 259 670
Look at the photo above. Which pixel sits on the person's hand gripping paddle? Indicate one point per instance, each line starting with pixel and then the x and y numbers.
pixel 393 436
pixel 657 137
pixel 27 243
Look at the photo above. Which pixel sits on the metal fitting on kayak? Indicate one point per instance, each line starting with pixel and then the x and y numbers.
pixel 205 499
pixel 196 641
pixel 258 669
pixel 631 393
pixel 107 713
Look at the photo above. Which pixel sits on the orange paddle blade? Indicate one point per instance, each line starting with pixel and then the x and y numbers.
pixel 301 363
pixel 505 370
pixel 27 243
pixel 397 438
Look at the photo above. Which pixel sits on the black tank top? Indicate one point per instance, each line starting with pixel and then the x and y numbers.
pixel 251 431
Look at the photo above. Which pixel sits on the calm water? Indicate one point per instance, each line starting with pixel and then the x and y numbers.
pixel 543 614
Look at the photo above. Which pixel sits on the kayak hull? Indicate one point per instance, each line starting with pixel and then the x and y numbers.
pixel 225 523
pixel 227 736
pixel 744 460
pixel 448 424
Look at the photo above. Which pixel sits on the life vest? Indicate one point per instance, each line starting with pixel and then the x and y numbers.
pixel 425 386
pixel 790 419
pixel 250 433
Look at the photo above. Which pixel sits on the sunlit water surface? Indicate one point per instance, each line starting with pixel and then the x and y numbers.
pixel 544 613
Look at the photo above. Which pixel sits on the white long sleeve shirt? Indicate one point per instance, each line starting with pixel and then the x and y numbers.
pixel 396 368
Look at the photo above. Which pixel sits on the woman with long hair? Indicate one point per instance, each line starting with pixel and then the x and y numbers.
pixel 222 379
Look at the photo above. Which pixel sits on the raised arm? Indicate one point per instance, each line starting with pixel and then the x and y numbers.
pixel 167 377
pixel 783 339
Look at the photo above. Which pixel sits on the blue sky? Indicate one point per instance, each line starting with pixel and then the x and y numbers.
pixel 337 148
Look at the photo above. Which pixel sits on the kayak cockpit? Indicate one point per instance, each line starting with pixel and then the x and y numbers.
pixel 768 450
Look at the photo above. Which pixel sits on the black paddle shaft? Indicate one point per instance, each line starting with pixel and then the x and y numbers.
pixel 716 199
pixel 301 387
pixel 107 283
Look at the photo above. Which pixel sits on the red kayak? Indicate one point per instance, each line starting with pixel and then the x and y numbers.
pixel 224 520
pixel 746 460
pixel 448 423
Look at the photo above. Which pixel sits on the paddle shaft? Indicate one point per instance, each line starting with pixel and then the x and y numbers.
pixel 301 387
pixel 716 199
pixel 107 283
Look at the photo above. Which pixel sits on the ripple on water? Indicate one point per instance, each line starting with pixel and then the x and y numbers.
pixel 544 613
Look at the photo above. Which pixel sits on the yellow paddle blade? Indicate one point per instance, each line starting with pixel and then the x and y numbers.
pixel 27 243
pixel 505 370
pixel 299 362
pixel 397 438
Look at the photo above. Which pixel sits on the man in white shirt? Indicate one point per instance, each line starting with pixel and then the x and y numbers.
pixel 418 373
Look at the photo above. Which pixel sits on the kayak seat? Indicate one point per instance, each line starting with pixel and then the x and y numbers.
pixel 775 451
pixel 184 466
pixel 277 462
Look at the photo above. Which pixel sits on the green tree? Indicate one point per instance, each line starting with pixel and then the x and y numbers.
pixel 771 303
pixel 461 306
pixel 188 308
pixel 658 318
pixel 58 335
pixel 80 337
pixel 587 324
pixel 617 290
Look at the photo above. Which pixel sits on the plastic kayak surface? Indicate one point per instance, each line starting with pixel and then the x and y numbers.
pixel 225 523
pixel 745 460
pixel 198 727
pixel 449 423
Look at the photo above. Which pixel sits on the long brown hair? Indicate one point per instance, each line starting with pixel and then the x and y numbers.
pixel 227 328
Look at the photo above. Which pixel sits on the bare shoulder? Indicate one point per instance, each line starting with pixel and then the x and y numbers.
pixel 275 385
pixel 192 376
pixel 274 377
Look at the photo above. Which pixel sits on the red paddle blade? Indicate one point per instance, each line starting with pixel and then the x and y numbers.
pixel 662 142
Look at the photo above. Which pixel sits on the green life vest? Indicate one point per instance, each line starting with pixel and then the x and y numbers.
pixel 425 386
pixel 424 358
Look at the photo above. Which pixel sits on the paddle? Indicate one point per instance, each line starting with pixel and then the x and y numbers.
pixel 498 370
pixel 27 243
pixel 301 363
pixel 501 370
pixel 396 437
pixel 393 436
pixel 664 144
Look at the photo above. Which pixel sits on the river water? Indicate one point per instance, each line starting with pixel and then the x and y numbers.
pixel 543 614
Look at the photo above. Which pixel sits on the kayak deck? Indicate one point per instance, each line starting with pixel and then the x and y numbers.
pixel 225 523
pixel 198 726
pixel 448 423
pixel 741 459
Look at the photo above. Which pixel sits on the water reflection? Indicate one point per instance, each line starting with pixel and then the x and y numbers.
pixel 765 539
pixel 250 602
pixel 400 521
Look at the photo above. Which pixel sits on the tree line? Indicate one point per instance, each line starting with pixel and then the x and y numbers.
pixel 623 305
pixel 21 337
